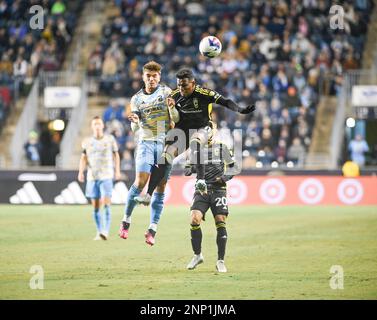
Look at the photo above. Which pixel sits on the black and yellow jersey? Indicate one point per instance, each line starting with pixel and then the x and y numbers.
pixel 195 110
pixel 218 159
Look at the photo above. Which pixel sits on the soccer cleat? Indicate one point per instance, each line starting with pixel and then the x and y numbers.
pixel 220 266
pixel 149 238
pixel 104 235
pixel 201 186
pixel 123 232
pixel 145 200
pixel 97 237
pixel 197 259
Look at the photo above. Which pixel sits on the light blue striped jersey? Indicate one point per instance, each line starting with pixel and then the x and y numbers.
pixel 153 112
pixel 99 153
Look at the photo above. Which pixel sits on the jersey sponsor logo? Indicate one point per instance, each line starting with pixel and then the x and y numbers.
pixel 28 194
pixel 190 111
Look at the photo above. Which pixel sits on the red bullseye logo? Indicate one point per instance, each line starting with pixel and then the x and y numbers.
pixel 237 191
pixel 350 191
pixel 272 191
pixel 311 191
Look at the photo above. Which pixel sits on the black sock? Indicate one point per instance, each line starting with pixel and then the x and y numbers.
pixel 157 174
pixel 221 239
pixel 152 232
pixel 200 171
pixel 197 159
pixel 126 225
pixel 196 238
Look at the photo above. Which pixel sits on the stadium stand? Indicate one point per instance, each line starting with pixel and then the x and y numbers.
pixel 25 51
pixel 279 55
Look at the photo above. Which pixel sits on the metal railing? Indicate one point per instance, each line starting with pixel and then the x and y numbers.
pixel 73 129
pixel 60 78
pixel 25 124
pixel 337 133
pixel 344 108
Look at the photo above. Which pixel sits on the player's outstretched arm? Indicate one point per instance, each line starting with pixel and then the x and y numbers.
pixel 173 112
pixel 117 165
pixel 82 167
pixel 226 176
pixel 135 121
pixel 230 104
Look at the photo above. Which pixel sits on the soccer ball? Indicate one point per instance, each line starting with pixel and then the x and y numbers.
pixel 210 47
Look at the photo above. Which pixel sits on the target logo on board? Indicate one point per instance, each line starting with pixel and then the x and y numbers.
pixel 350 191
pixel 272 191
pixel 311 191
pixel 189 190
pixel 237 191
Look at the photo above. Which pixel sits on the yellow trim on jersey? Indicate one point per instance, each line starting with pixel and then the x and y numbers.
pixel 210 107
pixel 174 92
pixel 202 91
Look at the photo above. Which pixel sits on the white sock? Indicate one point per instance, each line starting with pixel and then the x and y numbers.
pixel 153 226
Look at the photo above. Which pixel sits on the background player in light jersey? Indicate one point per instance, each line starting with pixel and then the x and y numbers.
pixel 152 117
pixel 100 156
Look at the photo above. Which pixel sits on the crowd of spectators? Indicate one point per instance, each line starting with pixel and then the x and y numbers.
pixel 25 50
pixel 277 54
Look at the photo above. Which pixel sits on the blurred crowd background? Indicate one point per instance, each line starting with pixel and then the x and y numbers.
pixel 280 55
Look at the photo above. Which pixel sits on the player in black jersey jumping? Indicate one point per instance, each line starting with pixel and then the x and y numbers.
pixel 194 104
pixel 217 173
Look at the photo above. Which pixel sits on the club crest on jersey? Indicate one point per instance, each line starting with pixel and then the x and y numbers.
pixel 147 111
pixel 196 103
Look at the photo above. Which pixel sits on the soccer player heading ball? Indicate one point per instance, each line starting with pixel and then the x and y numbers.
pixel 149 108
pixel 194 128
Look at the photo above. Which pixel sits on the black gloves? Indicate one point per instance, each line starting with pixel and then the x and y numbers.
pixel 248 109
pixel 188 170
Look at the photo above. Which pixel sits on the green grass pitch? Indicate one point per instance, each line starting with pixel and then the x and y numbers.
pixel 273 253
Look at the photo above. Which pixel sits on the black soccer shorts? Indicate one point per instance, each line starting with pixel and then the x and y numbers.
pixel 215 199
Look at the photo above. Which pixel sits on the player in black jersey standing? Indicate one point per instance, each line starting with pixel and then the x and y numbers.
pixel 218 171
pixel 194 104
